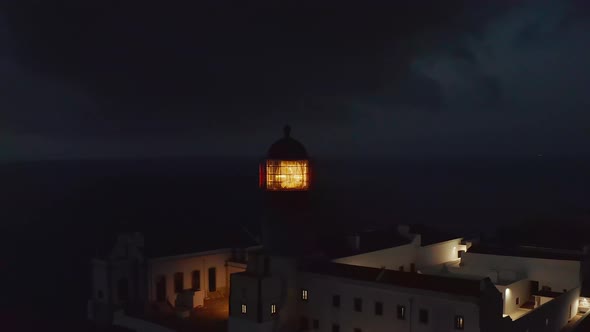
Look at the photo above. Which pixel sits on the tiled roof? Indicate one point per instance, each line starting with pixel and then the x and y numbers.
pixel 465 287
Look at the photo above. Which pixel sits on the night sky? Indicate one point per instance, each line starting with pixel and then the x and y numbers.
pixel 127 79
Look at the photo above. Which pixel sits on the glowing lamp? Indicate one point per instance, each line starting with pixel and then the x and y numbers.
pixel 286 167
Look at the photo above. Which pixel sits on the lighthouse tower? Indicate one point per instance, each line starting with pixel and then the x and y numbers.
pixel 285 178
pixel 264 297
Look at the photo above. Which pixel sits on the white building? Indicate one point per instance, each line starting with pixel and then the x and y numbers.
pixel 124 278
pixel 409 287
pixel 404 279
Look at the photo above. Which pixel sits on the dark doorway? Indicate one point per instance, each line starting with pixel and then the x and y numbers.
pixel 123 290
pixel 212 281
pixel 161 289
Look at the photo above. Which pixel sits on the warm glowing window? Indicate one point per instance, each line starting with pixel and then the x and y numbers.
pixel 287 174
pixel 304 294
pixel 244 309
pixel 273 309
pixel 459 323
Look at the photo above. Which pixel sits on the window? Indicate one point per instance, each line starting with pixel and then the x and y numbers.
pixel 546 321
pixel 459 323
pixel 356 329
pixel 401 312
pixel 212 279
pixel 378 308
pixel 423 316
pixel 100 295
pixel 336 301
pixel 517 300
pixel 244 309
pixel 273 309
pixel 178 282
pixel 358 304
pixel 335 328
pixel 196 280
pixel 316 324
pixel 304 294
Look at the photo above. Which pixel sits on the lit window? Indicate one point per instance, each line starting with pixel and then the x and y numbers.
pixel 546 321
pixel 273 309
pixel 304 294
pixel 244 309
pixel 459 323
pixel 401 312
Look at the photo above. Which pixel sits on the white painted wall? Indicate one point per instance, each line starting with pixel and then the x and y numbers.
pixel 405 255
pixel 439 253
pixel 442 308
pixel 557 274
pixel 391 258
pixel 520 289
pixel 168 266
pixel 551 316
pixel 278 286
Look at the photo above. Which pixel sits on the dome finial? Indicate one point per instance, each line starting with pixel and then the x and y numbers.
pixel 287 131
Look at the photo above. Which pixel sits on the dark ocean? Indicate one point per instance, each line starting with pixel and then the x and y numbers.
pixel 55 214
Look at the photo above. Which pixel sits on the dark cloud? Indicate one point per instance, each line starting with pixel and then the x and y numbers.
pixel 114 76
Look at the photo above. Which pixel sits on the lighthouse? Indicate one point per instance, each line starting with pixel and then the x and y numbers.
pixel 286 182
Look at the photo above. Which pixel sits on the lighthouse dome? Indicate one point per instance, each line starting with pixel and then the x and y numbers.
pixel 287 148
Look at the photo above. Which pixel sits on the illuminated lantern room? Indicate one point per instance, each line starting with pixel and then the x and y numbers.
pixel 286 167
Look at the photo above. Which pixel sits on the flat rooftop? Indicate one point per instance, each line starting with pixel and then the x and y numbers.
pixel 520 251
pixel 435 283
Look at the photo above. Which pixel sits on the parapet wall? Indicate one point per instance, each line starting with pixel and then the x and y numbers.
pixel 551 316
